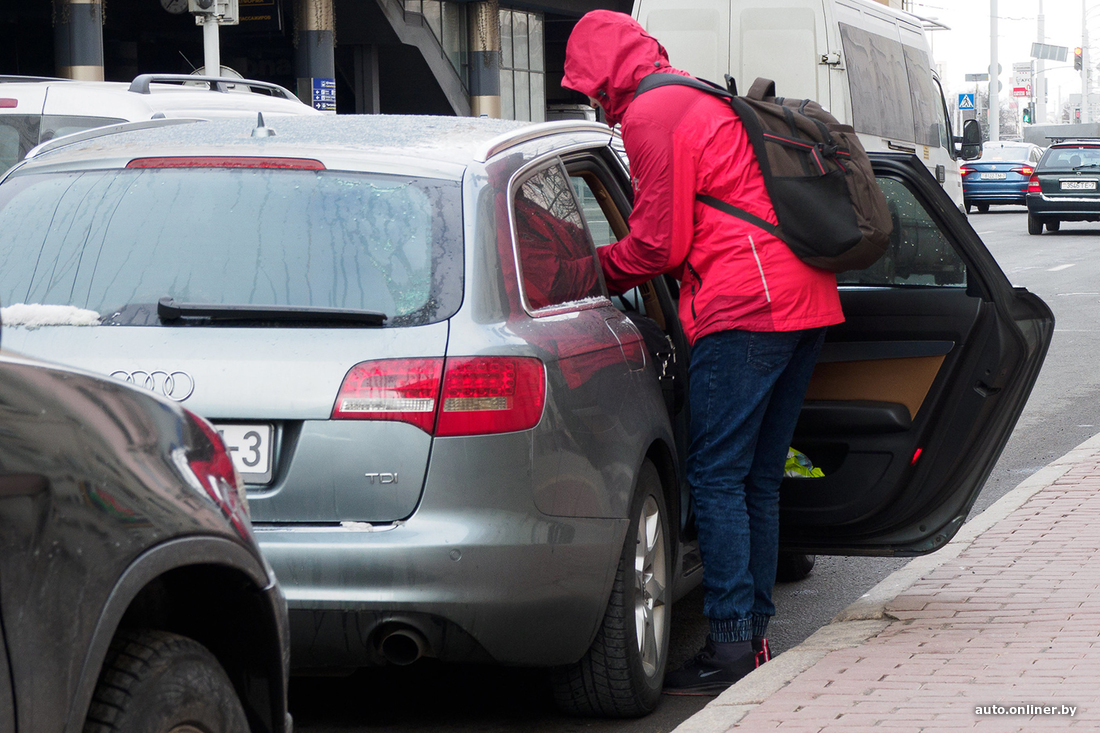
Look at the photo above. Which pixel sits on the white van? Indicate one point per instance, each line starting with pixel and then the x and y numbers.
pixel 868 64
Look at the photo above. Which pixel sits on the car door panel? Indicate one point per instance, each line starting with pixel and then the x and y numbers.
pixel 958 361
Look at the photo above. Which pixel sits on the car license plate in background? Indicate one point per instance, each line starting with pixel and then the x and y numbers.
pixel 250 448
pixel 1078 185
pixel 994 176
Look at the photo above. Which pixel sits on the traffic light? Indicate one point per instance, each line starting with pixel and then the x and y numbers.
pixel 1077 59
pixel 1027 115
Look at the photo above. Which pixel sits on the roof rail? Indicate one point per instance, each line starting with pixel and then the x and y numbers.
pixel 78 137
pixel 524 134
pixel 1063 138
pixel 141 84
pixel 16 77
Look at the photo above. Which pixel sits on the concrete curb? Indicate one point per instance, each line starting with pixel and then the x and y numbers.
pixel 866 617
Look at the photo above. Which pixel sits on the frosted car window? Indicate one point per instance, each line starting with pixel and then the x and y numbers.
pixel 879 84
pixel 919 253
pixel 116 241
pixel 557 260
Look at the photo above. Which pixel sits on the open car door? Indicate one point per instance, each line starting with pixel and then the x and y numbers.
pixel 916 393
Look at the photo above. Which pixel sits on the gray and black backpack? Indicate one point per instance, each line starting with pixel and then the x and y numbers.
pixel 831 211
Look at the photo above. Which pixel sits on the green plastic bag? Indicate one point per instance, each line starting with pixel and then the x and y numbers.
pixel 799 465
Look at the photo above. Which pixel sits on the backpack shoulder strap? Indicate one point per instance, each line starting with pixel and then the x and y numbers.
pixel 658 79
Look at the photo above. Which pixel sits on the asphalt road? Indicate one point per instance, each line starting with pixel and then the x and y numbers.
pixel 1063 411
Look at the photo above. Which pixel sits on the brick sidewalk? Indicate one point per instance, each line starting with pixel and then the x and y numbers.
pixel 1012 621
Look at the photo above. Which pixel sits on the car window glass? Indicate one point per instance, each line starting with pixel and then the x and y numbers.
pixel 18 134
pixel 918 252
pixel 598 225
pixel 1004 153
pixel 1072 157
pixel 58 125
pixel 116 241
pixel 878 80
pixel 557 260
pixel 928 126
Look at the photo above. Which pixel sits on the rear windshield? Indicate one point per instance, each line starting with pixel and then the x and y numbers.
pixel 116 241
pixel 1069 158
pixel 1005 153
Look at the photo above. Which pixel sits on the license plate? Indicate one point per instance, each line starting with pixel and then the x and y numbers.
pixel 994 176
pixel 1078 185
pixel 249 446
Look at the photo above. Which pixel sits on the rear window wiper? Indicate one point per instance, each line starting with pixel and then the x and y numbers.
pixel 1086 165
pixel 170 311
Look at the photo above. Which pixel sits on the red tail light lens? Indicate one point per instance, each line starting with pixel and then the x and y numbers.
pixel 404 390
pixel 8 103
pixel 470 395
pixel 1033 184
pixel 213 469
pixel 491 394
pixel 965 171
pixel 1024 170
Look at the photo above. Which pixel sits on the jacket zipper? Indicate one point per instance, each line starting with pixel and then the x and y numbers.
pixel 698 280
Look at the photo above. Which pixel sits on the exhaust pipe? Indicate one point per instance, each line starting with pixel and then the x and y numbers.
pixel 403 645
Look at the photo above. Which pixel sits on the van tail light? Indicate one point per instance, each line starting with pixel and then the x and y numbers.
pixel 8 103
pixel 209 468
pixel 1033 184
pixel 467 395
pixel 1024 170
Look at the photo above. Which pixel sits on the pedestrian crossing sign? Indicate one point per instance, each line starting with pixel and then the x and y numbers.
pixel 966 101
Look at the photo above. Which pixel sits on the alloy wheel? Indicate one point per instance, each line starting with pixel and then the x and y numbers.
pixel 650 590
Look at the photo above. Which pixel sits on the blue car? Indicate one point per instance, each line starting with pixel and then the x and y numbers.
pixel 1000 176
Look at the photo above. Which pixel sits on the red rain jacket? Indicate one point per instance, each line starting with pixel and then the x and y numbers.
pixel 681 142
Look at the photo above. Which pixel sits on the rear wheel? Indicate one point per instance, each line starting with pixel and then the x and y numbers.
pixel 983 208
pixel 969 206
pixel 623 671
pixel 1034 226
pixel 1053 225
pixel 157 682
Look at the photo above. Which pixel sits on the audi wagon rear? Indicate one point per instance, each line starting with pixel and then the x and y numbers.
pixel 452 443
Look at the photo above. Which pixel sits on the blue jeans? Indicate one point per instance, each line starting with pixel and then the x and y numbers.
pixel 746 391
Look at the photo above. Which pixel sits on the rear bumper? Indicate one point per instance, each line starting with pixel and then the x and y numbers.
pixel 1065 208
pixel 487 586
pixel 1013 192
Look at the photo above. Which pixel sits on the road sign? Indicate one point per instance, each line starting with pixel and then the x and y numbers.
pixel 966 101
pixel 1053 53
pixel 977 77
pixel 1021 91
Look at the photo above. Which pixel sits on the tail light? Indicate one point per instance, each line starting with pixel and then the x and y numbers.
pixel 468 395
pixel 1024 170
pixel 1033 184
pixel 8 103
pixel 965 170
pixel 209 468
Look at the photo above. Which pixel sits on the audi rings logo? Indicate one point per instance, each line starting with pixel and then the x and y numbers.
pixel 176 386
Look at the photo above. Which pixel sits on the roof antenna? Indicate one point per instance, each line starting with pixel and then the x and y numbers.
pixel 260 130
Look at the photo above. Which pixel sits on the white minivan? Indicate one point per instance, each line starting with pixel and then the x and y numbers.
pixel 870 65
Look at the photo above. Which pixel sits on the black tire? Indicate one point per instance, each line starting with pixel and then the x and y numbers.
pixel 157 682
pixel 614 679
pixel 1034 226
pixel 1053 225
pixel 983 208
pixel 969 206
pixel 793 566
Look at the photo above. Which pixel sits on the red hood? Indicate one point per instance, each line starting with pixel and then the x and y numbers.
pixel 607 55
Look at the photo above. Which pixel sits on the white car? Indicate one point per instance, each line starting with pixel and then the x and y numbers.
pixel 34 110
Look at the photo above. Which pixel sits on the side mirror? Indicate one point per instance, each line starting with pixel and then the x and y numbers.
pixel 971 140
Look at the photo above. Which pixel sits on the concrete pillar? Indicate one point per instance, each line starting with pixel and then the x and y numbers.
pixel 314 43
pixel 366 80
pixel 78 39
pixel 483 20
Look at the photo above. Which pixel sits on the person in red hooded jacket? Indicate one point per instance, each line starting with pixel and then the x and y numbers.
pixel 754 313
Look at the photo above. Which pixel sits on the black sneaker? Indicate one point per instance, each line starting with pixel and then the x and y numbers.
pixel 713 669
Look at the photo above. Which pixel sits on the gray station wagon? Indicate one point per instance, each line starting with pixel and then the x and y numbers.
pixel 456 443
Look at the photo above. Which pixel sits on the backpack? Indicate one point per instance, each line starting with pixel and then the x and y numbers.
pixel 832 213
